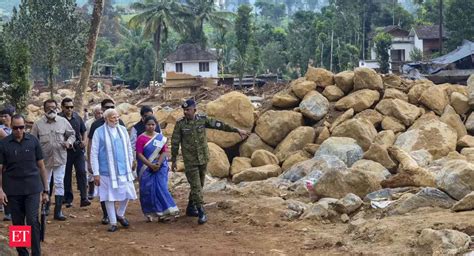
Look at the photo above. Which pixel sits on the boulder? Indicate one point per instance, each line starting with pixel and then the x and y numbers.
pixel 443 242
pixel 296 140
pixel 385 138
pixel 285 99
pixel 218 165
pixel 390 123
pixel 273 126
pixel 348 204
pixel 320 76
pixel 470 90
pixel 399 109
pixel 323 135
pixel 320 210
pixel 223 139
pixel 296 157
pixel 469 154
pixel 358 100
pixel 451 118
pixel 391 93
pixel 126 108
pixel 359 129
pixel 371 115
pixel 435 98
pixel 342 118
pixel 417 90
pixel 433 135
pixel 338 183
pixel 314 106
pixel 426 197
pixel 311 148
pixel 371 167
pixel 344 148
pixel 131 119
pixel 465 204
pixel 470 123
pixel 234 109
pixel 466 141
pixel 460 103
pixel 313 168
pixel 345 81
pixel 366 78
pixel 262 157
pixel 378 153
pixel 392 81
pixel 301 87
pixel 239 164
pixel 253 143
pixel 456 178
pixel 257 173
pixel 333 93
pixel 422 157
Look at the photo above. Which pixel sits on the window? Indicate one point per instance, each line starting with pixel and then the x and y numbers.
pixel 203 66
pixel 179 67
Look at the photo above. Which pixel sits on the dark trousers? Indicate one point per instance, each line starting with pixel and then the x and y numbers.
pixel 196 175
pixel 78 160
pixel 22 207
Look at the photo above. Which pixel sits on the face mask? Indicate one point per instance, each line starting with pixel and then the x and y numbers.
pixel 51 114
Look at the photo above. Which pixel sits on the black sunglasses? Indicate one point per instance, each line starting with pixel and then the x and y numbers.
pixel 108 107
pixel 21 127
pixel 68 107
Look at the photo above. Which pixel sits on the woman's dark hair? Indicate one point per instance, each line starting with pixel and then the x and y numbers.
pixel 145 109
pixel 148 118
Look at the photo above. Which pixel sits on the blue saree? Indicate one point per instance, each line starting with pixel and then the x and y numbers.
pixel 155 198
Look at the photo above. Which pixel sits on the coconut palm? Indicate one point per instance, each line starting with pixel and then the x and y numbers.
pixel 157 17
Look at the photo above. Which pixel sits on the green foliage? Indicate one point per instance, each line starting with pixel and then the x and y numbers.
pixel 243 31
pixel 383 42
pixel 416 54
pixel 459 17
pixel 301 49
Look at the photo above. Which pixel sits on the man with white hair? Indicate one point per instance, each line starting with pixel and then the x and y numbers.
pixel 111 162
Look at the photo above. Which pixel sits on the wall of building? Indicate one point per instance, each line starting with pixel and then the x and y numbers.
pixel 192 68
pixel 408 47
pixel 177 93
pixel 418 43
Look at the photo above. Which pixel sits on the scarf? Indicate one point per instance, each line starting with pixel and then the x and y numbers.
pixel 114 172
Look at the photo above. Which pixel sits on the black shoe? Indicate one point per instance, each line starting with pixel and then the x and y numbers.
pixel 85 203
pixel 191 210
pixel 105 220
pixel 202 218
pixel 123 221
pixel 90 197
pixel 58 214
pixel 112 228
pixel 7 217
pixel 68 205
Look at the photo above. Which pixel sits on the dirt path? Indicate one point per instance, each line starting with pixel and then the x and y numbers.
pixel 243 226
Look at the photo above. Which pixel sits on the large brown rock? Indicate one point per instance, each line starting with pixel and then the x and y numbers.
pixel 344 148
pixel 257 173
pixel 296 157
pixel 435 136
pixel 378 153
pixel 371 167
pixel 456 178
pixel 465 204
pixel 392 81
pixel 323 135
pixel 366 78
pixel 451 118
pixel 262 157
pixel 435 98
pixel 301 87
pixel 358 100
pixel 239 164
pixel 390 123
pixel 443 242
pixel 314 106
pixel 285 99
pixel 399 109
pixel 296 140
pixel 234 109
pixel 466 141
pixel 460 103
pixel 345 81
pixel 417 90
pixel 131 119
pixel 223 139
pixel 126 108
pixel 320 76
pixel 253 143
pixel 218 165
pixel 359 129
pixel 342 118
pixel 392 93
pixel 273 126
pixel 333 93
pixel 385 138
pixel 371 115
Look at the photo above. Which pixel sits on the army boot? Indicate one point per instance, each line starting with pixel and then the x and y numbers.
pixel 58 214
pixel 191 210
pixel 202 215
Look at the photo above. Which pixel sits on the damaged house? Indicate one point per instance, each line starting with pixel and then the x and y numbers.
pixel 188 69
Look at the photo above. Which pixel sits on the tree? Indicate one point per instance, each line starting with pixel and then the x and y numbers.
pixel 20 71
pixel 89 57
pixel 156 17
pixel 243 31
pixel 416 54
pixel 383 42
pixel 459 16
pixel 302 48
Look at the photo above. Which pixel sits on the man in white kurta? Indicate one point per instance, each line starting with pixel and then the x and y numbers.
pixel 111 161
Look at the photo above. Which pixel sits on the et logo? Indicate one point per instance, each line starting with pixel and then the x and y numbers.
pixel 20 236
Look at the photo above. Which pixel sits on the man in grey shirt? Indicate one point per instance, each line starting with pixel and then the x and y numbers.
pixel 55 135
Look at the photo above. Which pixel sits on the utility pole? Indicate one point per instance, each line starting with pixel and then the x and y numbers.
pixel 440 27
pixel 332 47
pixel 393 14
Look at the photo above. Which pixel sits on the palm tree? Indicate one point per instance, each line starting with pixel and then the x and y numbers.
pixel 206 11
pixel 157 17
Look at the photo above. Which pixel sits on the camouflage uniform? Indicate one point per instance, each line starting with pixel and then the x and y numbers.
pixel 191 134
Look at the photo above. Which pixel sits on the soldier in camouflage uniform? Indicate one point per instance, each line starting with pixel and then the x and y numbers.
pixel 190 132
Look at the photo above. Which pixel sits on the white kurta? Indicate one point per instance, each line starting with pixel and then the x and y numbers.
pixel 125 189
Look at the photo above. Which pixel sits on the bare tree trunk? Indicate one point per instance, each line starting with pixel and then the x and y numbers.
pixel 89 58
pixel 157 40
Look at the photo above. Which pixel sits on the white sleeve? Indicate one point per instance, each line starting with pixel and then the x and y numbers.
pixel 95 154
pixel 133 139
pixel 131 150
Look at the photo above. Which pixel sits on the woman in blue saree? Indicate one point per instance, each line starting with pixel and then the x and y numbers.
pixel 152 166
